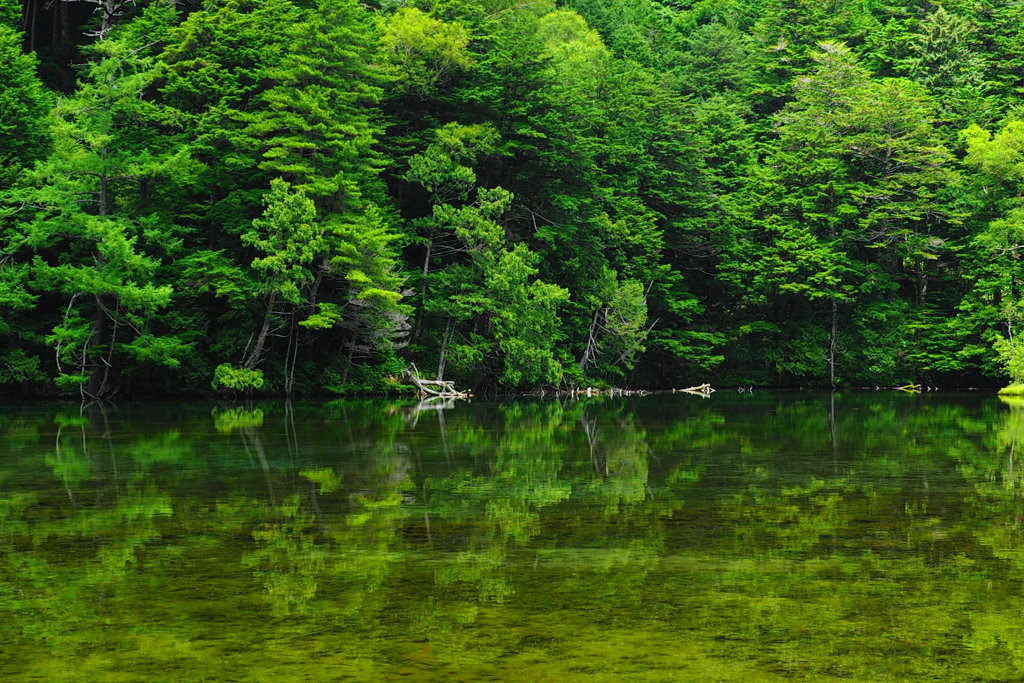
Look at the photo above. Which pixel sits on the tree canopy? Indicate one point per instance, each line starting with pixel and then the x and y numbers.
pixel 308 196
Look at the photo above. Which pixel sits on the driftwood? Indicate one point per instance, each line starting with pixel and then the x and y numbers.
pixel 591 391
pixel 433 387
pixel 702 389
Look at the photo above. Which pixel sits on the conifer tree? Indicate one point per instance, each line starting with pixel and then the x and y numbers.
pixel 93 251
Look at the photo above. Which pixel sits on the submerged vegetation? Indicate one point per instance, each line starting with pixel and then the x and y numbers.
pixel 306 196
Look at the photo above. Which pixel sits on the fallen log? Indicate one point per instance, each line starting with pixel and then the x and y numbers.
pixel 433 387
pixel 705 390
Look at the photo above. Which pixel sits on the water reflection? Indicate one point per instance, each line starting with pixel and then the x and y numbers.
pixel 744 537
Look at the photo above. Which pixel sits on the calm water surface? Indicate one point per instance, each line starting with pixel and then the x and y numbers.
pixel 870 537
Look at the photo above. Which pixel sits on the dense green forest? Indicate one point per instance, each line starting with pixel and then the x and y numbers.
pixel 299 196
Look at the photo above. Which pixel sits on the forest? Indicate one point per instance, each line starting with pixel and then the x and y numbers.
pixel 307 196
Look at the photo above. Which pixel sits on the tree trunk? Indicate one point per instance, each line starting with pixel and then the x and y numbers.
pixel 315 287
pixel 254 358
pixel 297 338
pixel 103 193
pixel 444 349
pixel 832 345
pixel 591 351
pixel 423 291
pixel 32 25
pixel 348 360
pixel 101 336
pixel 64 23
pixel 290 358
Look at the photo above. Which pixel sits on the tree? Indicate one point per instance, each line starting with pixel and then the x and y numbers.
pixel 277 91
pixel 509 328
pixel 851 195
pixel 805 209
pixel 502 322
pixel 619 327
pixel 288 238
pixel 945 59
pixel 90 244
pixel 24 106
pixel 318 128
pixel 995 306
pixel 420 52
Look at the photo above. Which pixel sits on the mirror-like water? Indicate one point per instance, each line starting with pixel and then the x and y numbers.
pixel 754 537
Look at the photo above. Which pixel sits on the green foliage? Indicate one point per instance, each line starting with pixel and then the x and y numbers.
pixel 24 104
pixel 944 56
pixel 10 13
pixel 18 367
pixel 225 376
pixel 619 329
pixel 994 307
pixel 1011 353
pixel 93 248
pixel 420 52
pixel 524 315
pixel 289 239
pixel 524 195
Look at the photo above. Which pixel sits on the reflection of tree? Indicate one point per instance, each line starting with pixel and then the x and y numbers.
pixel 501 504
pixel 288 559
pixel 830 536
pixel 71 552
pixel 999 475
pixel 237 418
pixel 997 524
pixel 860 540
pixel 518 520
pixel 339 529
pixel 620 455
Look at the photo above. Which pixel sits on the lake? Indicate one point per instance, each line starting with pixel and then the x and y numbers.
pixel 872 536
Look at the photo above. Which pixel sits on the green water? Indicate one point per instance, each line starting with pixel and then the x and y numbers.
pixel 865 537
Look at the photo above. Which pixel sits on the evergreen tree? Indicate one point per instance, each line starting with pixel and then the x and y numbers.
pixel 944 57
pixel 24 106
pixel 993 310
pixel 94 253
